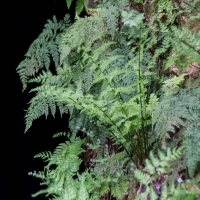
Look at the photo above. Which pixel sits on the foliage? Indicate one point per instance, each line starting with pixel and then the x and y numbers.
pixel 65 182
pixel 187 190
pixel 154 177
pixel 59 174
pixel 158 171
pixel 182 112
pixel 129 81
pixel 42 50
pixel 80 5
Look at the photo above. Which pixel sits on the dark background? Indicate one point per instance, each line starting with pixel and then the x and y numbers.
pixel 24 21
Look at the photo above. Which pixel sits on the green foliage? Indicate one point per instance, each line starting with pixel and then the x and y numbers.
pixel 155 179
pixel 62 166
pixel 42 50
pixel 80 5
pixel 184 48
pixel 180 111
pixel 187 190
pixel 111 77
pixel 115 97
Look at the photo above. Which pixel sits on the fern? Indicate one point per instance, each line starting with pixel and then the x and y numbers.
pixel 60 180
pixel 44 155
pixel 80 5
pixel 181 111
pixel 38 54
pixel 60 134
pixel 111 18
pixel 109 67
pixel 152 176
pixel 82 193
pixel 120 88
pixel 191 140
pixel 65 158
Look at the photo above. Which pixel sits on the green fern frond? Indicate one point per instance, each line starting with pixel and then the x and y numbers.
pixel 171 85
pixel 69 2
pixel 82 192
pixel 60 180
pixel 191 141
pixel 154 168
pixel 142 177
pixel 44 155
pixel 60 134
pixel 111 16
pixel 41 78
pixel 181 111
pixel 42 49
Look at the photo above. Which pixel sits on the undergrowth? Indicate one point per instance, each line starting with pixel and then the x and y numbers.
pixel 128 77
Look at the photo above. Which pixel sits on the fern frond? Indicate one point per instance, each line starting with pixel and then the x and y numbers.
pixel 60 134
pixel 44 155
pixel 82 192
pixel 42 49
pixel 154 168
pixel 111 16
pixel 142 177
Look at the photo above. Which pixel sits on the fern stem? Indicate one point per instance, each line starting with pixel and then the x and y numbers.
pixel 141 101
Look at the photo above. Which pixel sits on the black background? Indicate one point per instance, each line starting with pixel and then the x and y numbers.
pixel 22 23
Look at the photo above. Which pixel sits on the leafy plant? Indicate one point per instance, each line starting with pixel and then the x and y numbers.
pixel 63 180
pixel 156 178
pixel 180 112
pixel 63 166
pixel 129 82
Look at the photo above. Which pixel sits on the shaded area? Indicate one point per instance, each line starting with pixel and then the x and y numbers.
pixel 28 20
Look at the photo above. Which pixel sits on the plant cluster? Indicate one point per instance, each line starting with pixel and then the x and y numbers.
pixel 128 77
